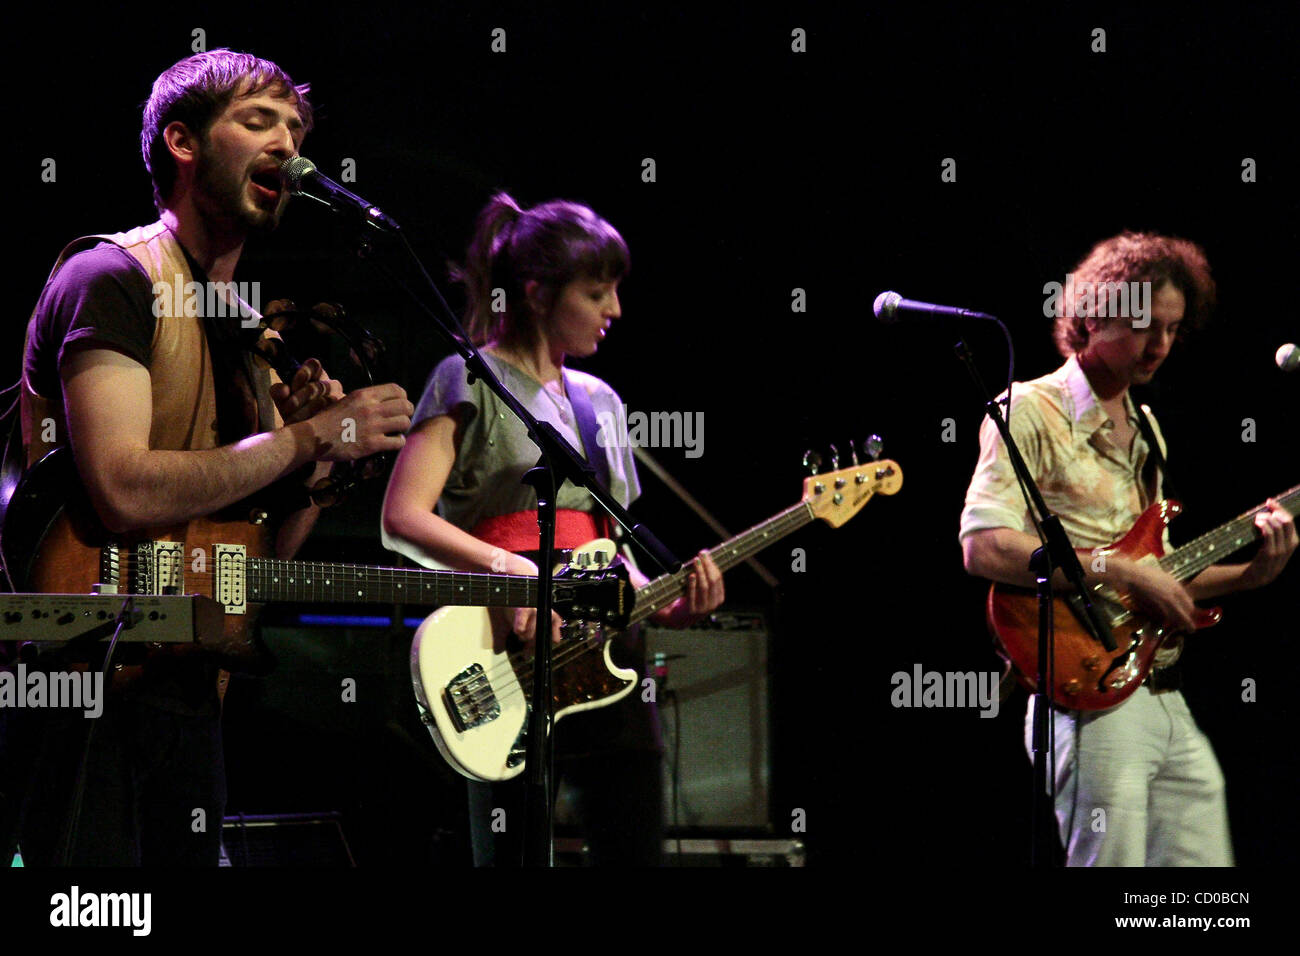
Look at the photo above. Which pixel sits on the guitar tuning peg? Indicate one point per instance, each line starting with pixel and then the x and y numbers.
pixel 853 453
pixel 872 446
pixel 835 458
pixel 812 461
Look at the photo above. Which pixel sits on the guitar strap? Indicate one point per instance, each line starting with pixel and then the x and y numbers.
pixel 587 428
pixel 1169 677
pixel 1155 458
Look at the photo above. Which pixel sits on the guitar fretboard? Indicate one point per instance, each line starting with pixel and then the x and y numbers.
pixel 667 588
pixel 270 579
pixel 1213 546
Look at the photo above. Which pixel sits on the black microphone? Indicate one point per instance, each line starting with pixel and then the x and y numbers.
pixel 301 177
pixel 892 307
pixel 1288 357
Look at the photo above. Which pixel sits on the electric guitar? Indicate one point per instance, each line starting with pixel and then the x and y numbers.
pixel 1087 676
pixel 53 542
pixel 475 697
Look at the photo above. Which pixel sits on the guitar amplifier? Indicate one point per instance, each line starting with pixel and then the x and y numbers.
pixel 287 839
pixel 714 707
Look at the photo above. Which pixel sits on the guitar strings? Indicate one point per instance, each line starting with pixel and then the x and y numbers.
pixel 1197 555
pixel 521 663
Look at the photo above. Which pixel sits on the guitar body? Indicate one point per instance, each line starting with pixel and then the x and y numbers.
pixel 474 694
pixel 474 697
pixel 1086 675
pixel 54 543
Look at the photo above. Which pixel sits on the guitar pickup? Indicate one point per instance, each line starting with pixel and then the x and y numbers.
pixel 230 562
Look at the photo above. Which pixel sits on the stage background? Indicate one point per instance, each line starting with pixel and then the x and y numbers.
pixel 775 171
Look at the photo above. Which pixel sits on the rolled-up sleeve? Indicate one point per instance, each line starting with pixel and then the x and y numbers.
pixel 993 499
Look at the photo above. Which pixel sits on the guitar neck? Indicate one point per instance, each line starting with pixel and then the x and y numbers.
pixel 667 588
pixel 1213 546
pixel 270 579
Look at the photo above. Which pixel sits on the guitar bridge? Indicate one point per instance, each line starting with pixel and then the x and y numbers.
pixel 158 567
pixel 470 700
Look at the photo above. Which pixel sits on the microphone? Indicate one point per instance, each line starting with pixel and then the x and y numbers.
pixel 301 177
pixel 1288 357
pixel 892 307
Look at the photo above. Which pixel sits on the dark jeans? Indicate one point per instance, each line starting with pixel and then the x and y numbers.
pixel 147 774
pixel 620 803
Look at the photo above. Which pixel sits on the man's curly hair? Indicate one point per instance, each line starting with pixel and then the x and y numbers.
pixel 1134 257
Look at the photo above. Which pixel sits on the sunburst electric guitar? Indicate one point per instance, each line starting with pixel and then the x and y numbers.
pixel 54 543
pixel 475 697
pixel 1087 676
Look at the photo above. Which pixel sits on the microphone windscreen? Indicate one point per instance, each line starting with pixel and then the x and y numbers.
pixel 293 170
pixel 1288 357
pixel 885 306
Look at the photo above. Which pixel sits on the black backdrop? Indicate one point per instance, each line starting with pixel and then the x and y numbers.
pixel 779 170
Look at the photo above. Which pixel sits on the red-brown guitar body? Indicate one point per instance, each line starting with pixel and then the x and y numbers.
pixel 1086 675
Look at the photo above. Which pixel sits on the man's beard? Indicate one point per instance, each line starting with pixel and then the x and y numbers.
pixel 221 196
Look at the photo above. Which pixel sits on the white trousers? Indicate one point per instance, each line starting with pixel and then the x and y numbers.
pixel 1138 785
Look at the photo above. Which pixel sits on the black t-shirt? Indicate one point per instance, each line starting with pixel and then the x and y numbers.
pixel 100 297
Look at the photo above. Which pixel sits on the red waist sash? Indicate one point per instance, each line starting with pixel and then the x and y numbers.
pixel 518 531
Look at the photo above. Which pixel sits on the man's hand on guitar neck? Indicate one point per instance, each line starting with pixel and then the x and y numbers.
pixel 1278 530
pixel 1278 533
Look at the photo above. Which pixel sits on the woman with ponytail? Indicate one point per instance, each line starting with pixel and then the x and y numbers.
pixel 541 285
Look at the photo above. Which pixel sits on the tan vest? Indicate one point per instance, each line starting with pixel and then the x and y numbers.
pixel 184 394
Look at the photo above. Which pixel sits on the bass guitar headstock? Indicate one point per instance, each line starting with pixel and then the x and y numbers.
pixel 839 494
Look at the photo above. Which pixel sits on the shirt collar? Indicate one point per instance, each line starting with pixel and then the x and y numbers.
pixel 1081 401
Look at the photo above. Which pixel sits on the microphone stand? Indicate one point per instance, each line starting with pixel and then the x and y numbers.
pixel 1056 552
pixel 558 462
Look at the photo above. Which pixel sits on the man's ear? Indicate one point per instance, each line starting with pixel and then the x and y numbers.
pixel 182 144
